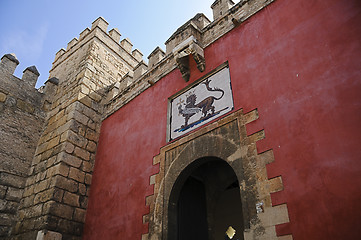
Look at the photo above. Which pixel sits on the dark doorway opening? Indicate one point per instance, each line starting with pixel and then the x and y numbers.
pixel 204 202
pixel 192 211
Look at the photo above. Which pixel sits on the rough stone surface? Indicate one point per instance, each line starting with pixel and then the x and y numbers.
pixel 61 171
pixel 21 121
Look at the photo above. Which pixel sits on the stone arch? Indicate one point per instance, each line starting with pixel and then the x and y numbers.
pixel 225 140
pixel 216 202
pixel 223 144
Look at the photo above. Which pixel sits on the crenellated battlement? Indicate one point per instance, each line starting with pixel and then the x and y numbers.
pixel 21 92
pixel 156 56
pixel 188 40
pixel 115 64
pixel 121 47
pixel 121 69
pixel 8 64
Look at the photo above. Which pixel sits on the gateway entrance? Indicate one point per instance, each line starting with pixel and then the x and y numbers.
pixel 205 201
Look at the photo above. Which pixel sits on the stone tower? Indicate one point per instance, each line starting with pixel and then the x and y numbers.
pixel 56 192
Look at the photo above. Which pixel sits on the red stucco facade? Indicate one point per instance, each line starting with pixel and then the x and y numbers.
pixel 299 63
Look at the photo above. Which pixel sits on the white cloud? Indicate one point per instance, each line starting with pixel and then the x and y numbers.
pixel 25 43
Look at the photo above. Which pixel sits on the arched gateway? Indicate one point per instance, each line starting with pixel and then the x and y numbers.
pixel 213 179
pixel 205 201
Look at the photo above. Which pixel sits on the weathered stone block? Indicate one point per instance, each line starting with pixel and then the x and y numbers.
pixel 76 174
pixel 27 201
pixel 9 63
pixel 84 89
pixel 71 199
pixel 274 215
pixel 256 136
pixel 54 118
pixel 95 96
pixel 91 146
pixel 73 42
pixel 83 202
pixel 70 227
pixel 61 121
pixel 43 196
pixel 91 75
pixel 61 210
pixel 87 166
pixel 81 153
pixel 41 148
pixel 52 221
pixel 82 189
pixel 78 117
pixel 266 157
pixel 92 124
pixel 79 215
pixel 251 116
pixel 68 147
pixel 91 135
pixel 51 171
pixel 14 194
pixel 39 222
pixel 34 211
pixel 73 138
pixel 88 178
pixel 30 75
pixel 69 159
pixel 39 169
pixel 53 142
pixel 101 23
pixel 115 34
pixel 63 170
pixel 11 180
pixel 66 184
pixel 58 194
pixel 41 186
pixel 60 168
pixel 89 112
pixel 86 100
pixel 275 184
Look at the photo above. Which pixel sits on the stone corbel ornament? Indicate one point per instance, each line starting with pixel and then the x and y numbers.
pixel 181 54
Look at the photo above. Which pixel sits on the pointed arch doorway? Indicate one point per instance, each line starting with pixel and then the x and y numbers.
pixel 205 201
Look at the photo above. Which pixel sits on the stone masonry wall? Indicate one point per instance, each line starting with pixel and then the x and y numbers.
pixel 21 121
pixel 56 193
pixel 96 70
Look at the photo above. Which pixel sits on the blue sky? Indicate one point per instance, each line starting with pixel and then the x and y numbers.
pixel 36 29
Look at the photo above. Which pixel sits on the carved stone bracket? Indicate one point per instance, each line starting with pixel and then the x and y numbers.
pixel 181 55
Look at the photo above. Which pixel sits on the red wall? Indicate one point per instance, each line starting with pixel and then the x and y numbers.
pixel 299 63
